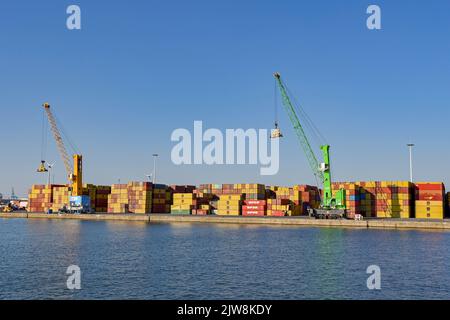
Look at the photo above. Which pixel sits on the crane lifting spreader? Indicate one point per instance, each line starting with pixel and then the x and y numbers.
pixel 331 206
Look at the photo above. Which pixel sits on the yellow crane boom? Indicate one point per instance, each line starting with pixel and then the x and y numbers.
pixel 75 173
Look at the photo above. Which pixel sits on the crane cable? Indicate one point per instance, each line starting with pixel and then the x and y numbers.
pixel 65 137
pixel 317 136
pixel 275 100
pixel 310 127
pixel 44 135
pixel 72 145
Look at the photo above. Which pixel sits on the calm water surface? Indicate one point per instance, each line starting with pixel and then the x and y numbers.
pixel 126 260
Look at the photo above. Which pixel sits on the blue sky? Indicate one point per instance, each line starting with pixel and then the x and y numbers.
pixel 137 70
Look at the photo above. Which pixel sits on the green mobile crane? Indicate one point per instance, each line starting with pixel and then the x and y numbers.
pixel 332 206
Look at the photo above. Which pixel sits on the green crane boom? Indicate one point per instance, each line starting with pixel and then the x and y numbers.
pixel 321 170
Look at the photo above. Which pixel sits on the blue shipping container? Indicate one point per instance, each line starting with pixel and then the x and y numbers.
pixel 80 201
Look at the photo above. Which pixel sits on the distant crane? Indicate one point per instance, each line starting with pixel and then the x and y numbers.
pixel 13 194
pixel 332 206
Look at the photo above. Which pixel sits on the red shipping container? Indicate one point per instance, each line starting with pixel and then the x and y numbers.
pixel 200 212
pixel 159 208
pixel 258 213
pixel 430 186
pixel 280 201
pixel 255 202
pixel 258 208
pixel 403 190
pixel 278 213
pixel 437 195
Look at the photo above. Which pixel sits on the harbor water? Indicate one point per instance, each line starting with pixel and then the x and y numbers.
pixel 136 260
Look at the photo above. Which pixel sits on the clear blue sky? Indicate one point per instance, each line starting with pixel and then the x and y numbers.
pixel 140 69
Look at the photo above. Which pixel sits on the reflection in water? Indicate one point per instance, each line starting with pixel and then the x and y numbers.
pixel 137 260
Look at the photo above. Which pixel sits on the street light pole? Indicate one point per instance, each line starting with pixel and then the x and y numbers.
pixel 410 145
pixel 50 167
pixel 154 167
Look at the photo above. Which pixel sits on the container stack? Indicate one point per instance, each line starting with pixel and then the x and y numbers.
pixel 202 210
pixel 162 198
pixel 367 193
pixel 216 189
pixel 309 198
pixel 385 199
pixel 394 199
pixel 182 188
pixel 91 191
pixel 251 191
pixel 352 197
pixel 206 188
pixel 118 199
pixel 140 197
pixel 229 204
pixel 204 200
pixel 278 201
pixel 447 204
pixel 40 198
pixel 296 201
pixel 430 200
pixel 101 198
pixel 60 198
pixel 183 203
pixel 254 208
pixel 229 188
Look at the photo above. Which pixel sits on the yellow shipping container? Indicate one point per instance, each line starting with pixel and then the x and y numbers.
pixel 183 201
pixel 183 196
pixel 423 212
pixel 228 212
pixel 181 207
pixel 425 203
pixel 228 207
pixel 230 197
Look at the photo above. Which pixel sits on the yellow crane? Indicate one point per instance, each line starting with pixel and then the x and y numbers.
pixel 75 171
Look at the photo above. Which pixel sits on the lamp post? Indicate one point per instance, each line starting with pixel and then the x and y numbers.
pixel 410 145
pixel 155 155
pixel 50 167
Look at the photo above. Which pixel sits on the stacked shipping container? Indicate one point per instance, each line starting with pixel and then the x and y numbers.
pixel 162 198
pixel 140 197
pixel 60 198
pixel 381 199
pixel 118 199
pixel 278 202
pixel 183 203
pixel 254 208
pixel 309 196
pixel 91 191
pixel 203 204
pixel 254 195
pixel 430 198
pixel 134 197
pixel 352 197
pixel 229 204
pixel 40 198
pixel 101 198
